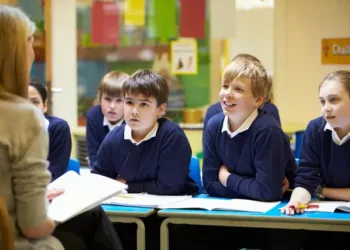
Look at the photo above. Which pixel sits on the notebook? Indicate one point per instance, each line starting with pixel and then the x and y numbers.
pixel 145 200
pixel 218 204
pixel 330 206
pixel 81 193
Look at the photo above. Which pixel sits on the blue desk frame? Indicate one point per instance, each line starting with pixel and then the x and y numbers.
pixel 271 219
pixel 124 214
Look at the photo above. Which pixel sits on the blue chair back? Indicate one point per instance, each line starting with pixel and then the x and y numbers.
pixel 195 172
pixel 298 141
pixel 74 165
pixel 297 161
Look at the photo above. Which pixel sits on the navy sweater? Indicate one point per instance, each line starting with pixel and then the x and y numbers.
pixel 258 159
pixel 159 165
pixel 322 161
pixel 60 146
pixel 214 109
pixel 95 131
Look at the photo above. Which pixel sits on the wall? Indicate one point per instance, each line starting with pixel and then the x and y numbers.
pixel 299 27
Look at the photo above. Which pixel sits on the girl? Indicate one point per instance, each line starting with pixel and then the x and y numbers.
pixel 60 144
pixel 323 170
pixel 108 114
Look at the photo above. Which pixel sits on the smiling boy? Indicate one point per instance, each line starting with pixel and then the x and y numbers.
pixel 148 153
pixel 246 153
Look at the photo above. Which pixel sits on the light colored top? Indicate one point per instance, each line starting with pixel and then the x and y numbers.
pixel 335 136
pixel 110 126
pixel 23 166
pixel 151 134
pixel 245 125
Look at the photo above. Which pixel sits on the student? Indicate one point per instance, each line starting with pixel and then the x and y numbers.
pixel 323 170
pixel 268 106
pixel 108 114
pixel 60 143
pixel 149 153
pixel 100 228
pixel 246 154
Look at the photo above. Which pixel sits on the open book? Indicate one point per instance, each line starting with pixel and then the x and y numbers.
pixel 145 200
pixel 81 193
pixel 330 206
pixel 218 204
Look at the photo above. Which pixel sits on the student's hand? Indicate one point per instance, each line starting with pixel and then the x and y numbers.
pixel 285 185
pixel 223 175
pixel 292 208
pixel 120 179
pixel 54 193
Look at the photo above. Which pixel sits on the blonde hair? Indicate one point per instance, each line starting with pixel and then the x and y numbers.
pixel 269 90
pixel 252 70
pixel 248 57
pixel 111 84
pixel 342 76
pixel 15 30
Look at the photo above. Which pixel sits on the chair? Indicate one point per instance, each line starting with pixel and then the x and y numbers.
pixel 74 165
pixel 298 141
pixel 195 172
pixel 7 240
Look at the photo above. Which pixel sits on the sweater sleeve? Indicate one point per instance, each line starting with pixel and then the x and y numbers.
pixel 92 140
pixel 308 171
pixel 211 165
pixel 60 148
pixel 29 169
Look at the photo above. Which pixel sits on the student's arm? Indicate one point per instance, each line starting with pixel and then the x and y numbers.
pixel 268 161
pixel 60 147
pixel 104 164
pixel 30 178
pixel 339 194
pixel 92 141
pixel 174 162
pixel 211 166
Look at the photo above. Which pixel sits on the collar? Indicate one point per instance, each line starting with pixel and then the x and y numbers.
pixel 47 123
pixel 151 134
pixel 110 126
pixel 335 136
pixel 245 125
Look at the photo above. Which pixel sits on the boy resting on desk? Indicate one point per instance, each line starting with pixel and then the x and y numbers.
pixel 148 153
pixel 246 153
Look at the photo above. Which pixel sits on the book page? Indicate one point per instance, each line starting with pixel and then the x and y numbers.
pixel 81 193
pixel 145 200
pixel 327 206
pixel 221 204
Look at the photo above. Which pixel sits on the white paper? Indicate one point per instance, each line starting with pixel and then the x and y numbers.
pixel 81 193
pixel 217 204
pixel 145 200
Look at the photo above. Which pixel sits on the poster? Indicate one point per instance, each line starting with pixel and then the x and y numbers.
pixel 184 60
pixel 335 51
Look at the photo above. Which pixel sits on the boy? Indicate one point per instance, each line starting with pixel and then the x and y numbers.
pixel 246 153
pixel 148 153
pixel 109 114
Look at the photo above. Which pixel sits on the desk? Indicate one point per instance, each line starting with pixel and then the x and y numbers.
pixel 131 215
pixel 271 219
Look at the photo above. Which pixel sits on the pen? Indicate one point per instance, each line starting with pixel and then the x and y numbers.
pixel 303 206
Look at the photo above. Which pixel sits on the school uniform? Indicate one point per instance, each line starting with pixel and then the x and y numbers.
pixel 159 164
pixel 324 160
pixel 216 108
pixel 60 145
pixel 257 155
pixel 97 128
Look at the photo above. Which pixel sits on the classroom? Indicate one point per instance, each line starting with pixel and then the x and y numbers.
pixel 165 109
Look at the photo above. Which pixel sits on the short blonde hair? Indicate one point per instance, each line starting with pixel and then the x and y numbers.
pixel 269 90
pixel 254 71
pixel 342 76
pixel 111 84
pixel 15 30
